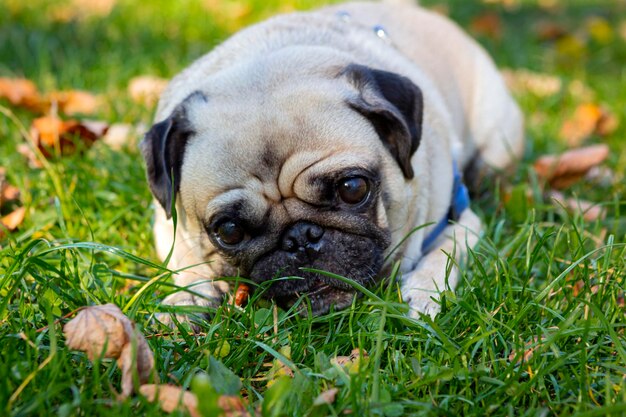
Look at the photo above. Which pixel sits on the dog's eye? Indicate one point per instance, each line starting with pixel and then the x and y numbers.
pixel 229 232
pixel 353 190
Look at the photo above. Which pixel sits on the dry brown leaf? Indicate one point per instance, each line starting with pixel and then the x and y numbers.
pixel 580 91
pixel 26 151
pixel 12 221
pixel 529 350
pixel 51 134
pixel 548 30
pixel 607 124
pixel 354 355
pixel 561 171
pixel 233 406
pixel 326 397
pixel 581 125
pixel 171 398
pixel 81 9
pixel 588 210
pixel 19 92
pixel 8 192
pixel 105 331
pixel 242 294
pixel 523 81
pixel 73 102
pixel 118 135
pixel 487 24
pixel 146 89
pixel 587 119
pixel 231 13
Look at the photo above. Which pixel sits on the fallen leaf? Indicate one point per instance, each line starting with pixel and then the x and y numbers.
pixel 233 405
pixel 94 7
pixel 11 221
pixel 599 29
pixel 548 30
pixel 529 350
pixel 26 151
pixel 523 81
pixel 104 331
pixel 352 362
pixel 578 287
pixel 171 398
pixel 588 210
pixel 588 119
pixel 622 30
pixel 231 13
pixel 279 368
pixel 19 91
pixel 571 48
pixel 118 135
pixel 51 134
pixel 81 9
pixel 242 294
pixel 73 102
pixel 8 192
pixel 487 24
pixel 581 92
pixel 607 124
pixel 581 125
pixel 561 171
pixel 326 397
pixel 146 89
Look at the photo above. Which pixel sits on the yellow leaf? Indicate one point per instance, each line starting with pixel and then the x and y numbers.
pixel 600 30
pixel 571 47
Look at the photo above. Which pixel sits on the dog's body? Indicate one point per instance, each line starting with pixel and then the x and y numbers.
pixel 384 99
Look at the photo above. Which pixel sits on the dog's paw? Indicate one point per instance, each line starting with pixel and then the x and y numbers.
pixel 199 298
pixel 421 302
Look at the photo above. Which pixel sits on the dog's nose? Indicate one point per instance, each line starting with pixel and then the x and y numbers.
pixel 302 235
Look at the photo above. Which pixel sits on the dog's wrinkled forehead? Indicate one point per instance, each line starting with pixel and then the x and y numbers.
pixel 271 144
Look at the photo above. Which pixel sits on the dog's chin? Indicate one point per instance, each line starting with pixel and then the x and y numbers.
pixel 320 300
pixel 357 258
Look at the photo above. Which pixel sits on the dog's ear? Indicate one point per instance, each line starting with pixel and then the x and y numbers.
pixel 163 149
pixel 394 106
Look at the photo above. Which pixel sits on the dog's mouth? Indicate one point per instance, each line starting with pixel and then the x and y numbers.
pixel 321 299
pixel 289 275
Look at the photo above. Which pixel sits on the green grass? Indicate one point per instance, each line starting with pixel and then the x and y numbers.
pixel 517 290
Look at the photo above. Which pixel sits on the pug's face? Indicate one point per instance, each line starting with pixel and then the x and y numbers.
pixel 283 177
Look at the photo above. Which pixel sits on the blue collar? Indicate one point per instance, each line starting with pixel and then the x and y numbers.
pixel 459 202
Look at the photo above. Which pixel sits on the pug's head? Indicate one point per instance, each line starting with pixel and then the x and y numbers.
pixel 292 169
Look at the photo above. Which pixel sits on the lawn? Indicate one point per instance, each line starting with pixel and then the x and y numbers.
pixel 535 328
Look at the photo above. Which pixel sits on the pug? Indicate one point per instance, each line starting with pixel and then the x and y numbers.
pixel 330 140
